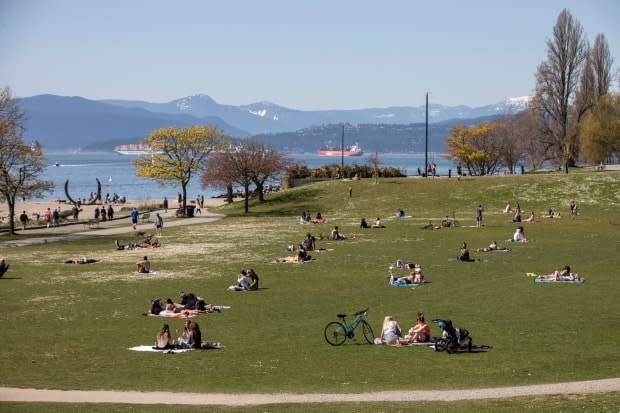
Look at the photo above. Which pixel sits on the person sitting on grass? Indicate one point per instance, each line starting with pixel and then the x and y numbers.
pixel 364 224
pixel 335 235
pixel 378 223
pixel 143 266
pixel 243 282
pixel 163 339
pixel 390 332
pixel 253 280
pixel 464 253
pixel 419 333
pixel 319 219
pixel 309 243
pixel 519 235
pixel 83 260
pixel 561 275
pixel 4 267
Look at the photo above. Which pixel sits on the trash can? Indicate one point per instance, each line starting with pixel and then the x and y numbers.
pixel 189 210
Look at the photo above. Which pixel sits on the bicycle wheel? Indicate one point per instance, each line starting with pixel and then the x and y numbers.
pixel 368 334
pixel 335 333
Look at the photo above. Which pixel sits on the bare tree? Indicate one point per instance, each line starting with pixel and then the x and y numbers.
pixel 240 165
pixel 374 161
pixel 602 62
pixel 557 79
pixel 267 164
pixel 21 164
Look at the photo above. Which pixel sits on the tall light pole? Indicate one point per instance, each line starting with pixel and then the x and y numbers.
pixel 342 152
pixel 426 141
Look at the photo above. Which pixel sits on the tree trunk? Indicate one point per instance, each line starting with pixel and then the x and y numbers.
pixel 229 194
pixel 246 189
pixel 184 190
pixel 11 203
pixel 259 191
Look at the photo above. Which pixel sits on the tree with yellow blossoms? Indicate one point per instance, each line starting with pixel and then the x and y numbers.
pixel 478 148
pixel 177 154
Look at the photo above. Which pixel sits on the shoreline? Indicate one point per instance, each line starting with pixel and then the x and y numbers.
pixel 33 207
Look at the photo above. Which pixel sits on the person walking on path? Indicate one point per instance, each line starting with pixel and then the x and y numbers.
pixel 23 218
pixel 56 217
pixel 159 223
pixel 134 217
pixel 479 216
pixel 110 212
pixel 47 215
pixel 165 204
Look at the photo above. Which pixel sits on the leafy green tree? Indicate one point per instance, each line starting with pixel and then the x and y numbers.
pixel 478 148
pixel 21 164
pixel 600 130
pixel 177 154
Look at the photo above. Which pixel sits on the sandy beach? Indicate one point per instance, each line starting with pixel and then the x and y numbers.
pixel 33 207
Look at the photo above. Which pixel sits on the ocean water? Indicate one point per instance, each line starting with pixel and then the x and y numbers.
pixel 117 174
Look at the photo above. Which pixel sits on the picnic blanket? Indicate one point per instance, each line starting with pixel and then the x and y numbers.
pixel 153 349
pixel 206 346
pixel 147 273
pixel 581 280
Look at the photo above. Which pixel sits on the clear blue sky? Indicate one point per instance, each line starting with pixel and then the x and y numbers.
pixel 321 54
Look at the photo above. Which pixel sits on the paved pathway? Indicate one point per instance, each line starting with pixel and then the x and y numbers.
pixel 9 394
pixel 121 225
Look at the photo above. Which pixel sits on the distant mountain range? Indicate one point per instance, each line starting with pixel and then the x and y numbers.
pixel 267 117
pixel 60 122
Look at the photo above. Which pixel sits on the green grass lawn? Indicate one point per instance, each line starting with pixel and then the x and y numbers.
pixel 69 326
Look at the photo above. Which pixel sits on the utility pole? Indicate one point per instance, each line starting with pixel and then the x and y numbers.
pixel 426 141
pixel 342 153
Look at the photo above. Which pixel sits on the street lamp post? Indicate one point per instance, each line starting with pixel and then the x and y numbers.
pixel 426 141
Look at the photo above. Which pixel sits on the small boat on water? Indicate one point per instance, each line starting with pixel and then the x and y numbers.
pixel 134 149
pixel 332 150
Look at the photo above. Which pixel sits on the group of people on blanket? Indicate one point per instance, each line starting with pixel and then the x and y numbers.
pixel 189 339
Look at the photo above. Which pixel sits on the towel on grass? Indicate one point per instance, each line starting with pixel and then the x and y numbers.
pixel 581 280
pixel 153 349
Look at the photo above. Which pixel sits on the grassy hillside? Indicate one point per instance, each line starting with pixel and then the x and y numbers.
pixel 69 326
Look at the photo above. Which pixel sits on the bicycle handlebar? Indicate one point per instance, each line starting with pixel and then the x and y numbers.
pixel 360 312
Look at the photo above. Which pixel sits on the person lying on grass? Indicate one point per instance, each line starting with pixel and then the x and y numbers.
pixel 415 277
pixel 83 260
pixel 492 247
pixel 157 309
pixel 563 274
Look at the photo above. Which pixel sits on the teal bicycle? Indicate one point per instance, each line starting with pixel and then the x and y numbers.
pixel 337 332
